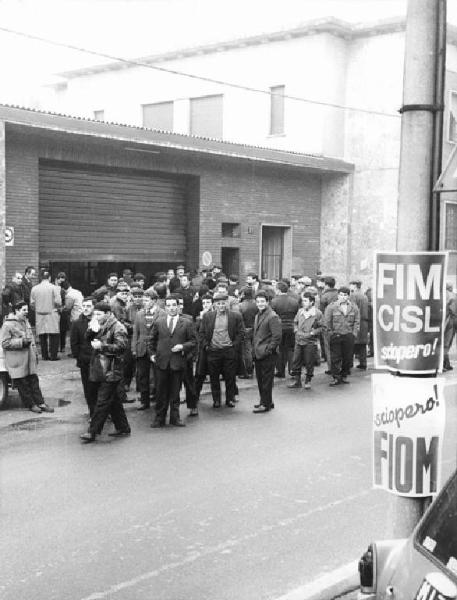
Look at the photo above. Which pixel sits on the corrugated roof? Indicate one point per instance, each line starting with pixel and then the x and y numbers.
pixel 141 136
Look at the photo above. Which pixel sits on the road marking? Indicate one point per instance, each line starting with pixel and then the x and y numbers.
pixel 334 579
pixel 196 555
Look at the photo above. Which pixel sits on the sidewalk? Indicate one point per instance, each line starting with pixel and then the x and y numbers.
pixel 60 383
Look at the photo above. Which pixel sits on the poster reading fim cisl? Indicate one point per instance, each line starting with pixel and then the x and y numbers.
pixel 409 309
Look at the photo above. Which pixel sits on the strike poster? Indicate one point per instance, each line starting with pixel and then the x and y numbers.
pixel 408 432
pixel 409 309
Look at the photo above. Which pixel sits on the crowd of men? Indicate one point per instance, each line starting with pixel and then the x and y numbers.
pixel 178 332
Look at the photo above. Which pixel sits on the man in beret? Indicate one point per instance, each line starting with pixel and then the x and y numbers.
pixel 342 322
pixel 221 334
pixel 108 339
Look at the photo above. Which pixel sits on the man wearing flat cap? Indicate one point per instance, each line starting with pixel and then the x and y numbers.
pixel 220 336
pixel 108 339
pixel 120 306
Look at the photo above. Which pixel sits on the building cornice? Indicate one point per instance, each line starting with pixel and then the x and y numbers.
pixel 330 25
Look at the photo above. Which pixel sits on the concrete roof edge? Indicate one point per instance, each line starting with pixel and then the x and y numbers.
pixel 16 115
pixel 330 25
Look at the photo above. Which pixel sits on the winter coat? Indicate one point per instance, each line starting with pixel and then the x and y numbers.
pixel 107 364
pixel 46 300
pixel 248 310
pixel 307 326
pixel 286 307
pixel 327 297
pixel 361 301
pixel 74 303
pixel 141 331
pixel 337 323
pixel 267 333
pixel 80 345
pixel 19 360
pixel 235 329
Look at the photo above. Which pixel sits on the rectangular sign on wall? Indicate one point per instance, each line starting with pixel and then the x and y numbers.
pixel 409 309
pixel 408 431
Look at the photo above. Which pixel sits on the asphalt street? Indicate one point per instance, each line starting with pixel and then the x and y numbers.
pixel 234 506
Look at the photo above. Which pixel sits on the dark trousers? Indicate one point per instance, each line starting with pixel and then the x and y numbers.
pixel 304 356
pixel 189 385
pixel 64 326
pixel 361 351
pixel 29 390
pixel 49 351
pixel 265 371
pixel 341 352
pixel 222 361
pixel 89 388
pixel 108 403
pixel 129 365
pixel 286 351
pixel 248 362
pixel 167 395
pixel 143 378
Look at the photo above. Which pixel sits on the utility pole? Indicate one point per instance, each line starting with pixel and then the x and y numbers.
pixel 423 66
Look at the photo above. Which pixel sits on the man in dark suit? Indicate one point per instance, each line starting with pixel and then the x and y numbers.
pixel 221 335
pixel 172 340
pixel 266 339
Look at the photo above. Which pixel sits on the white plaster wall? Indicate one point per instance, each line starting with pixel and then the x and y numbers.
pixel 312 67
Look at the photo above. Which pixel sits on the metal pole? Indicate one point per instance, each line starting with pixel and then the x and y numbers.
pixel 415 174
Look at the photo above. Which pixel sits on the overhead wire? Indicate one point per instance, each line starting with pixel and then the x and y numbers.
pixel 140 63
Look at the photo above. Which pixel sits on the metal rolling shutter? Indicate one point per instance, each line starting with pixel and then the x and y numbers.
pixel 104 214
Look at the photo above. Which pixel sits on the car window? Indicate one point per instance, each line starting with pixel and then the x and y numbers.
pixel 437 535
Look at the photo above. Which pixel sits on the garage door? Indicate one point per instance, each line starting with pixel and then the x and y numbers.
pixel 103 214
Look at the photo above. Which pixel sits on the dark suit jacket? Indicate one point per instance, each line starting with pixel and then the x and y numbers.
pixel 235 329
pixel 162 341
pixel 267 333
pixel 141 332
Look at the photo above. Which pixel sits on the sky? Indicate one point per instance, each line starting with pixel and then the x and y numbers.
pixel 132 28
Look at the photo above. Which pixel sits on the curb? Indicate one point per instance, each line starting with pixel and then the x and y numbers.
pixel 331 585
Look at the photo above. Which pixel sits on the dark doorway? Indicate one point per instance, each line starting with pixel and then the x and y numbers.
pixel 230 258
pixel 88 276
pixel 272 252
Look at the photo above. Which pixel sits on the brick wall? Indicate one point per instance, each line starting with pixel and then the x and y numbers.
pixel 21 207
pixel 221 190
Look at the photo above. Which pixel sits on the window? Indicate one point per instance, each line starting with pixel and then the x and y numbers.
pixel 277 110
pixel 231 230
pixel 450 226
pixel 158 116
pixel 452 128
pixel 99 115
pixel 206 116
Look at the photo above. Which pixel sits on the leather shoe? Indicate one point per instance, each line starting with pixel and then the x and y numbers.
pixel 335 382
pixel 36 409
pixel 157 424
pixel 230 404
pixel 55 358
pixel 87 438
pixel 362 367
pixel 177 423
pixel 119 434
pixel 259 405
pixel 216 404
pixel 45 408
pixel 193 412
pixel 261 409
